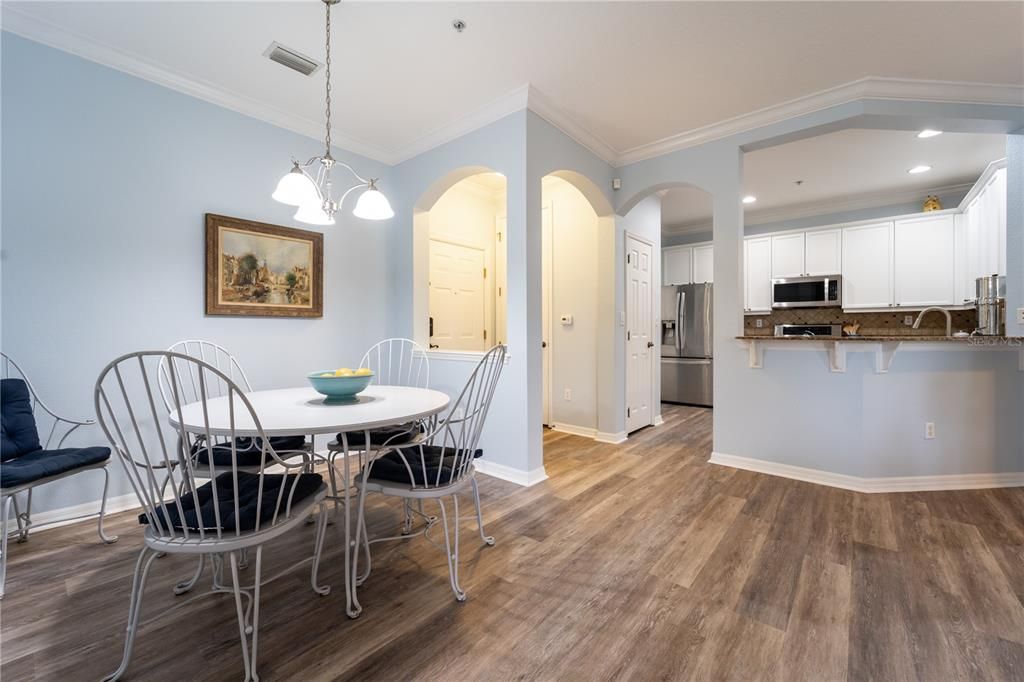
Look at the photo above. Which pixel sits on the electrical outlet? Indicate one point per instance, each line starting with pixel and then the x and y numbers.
pixel 1020 315
pixel 908 320
pixel 929 430
pixel 759 323
pixel 567 394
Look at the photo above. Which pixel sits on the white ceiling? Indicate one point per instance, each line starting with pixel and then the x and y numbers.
pixel 629 74
pixel 854 167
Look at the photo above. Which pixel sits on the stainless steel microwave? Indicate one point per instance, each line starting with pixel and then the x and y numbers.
pixel 807 292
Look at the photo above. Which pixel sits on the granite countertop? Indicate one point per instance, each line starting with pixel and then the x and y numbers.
pixel 972 340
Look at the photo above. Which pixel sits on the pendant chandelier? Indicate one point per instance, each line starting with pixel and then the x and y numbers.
pixel 312 195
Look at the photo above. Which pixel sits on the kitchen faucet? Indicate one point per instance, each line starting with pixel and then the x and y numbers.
pixel 949 318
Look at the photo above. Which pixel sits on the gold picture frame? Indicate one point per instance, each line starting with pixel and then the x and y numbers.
pixel 260 270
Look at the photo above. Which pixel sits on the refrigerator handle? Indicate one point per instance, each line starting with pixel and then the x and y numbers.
pixel 681 317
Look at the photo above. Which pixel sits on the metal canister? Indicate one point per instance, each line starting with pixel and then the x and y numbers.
pixel 991 292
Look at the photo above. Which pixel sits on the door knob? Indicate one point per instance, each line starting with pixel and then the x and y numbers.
pixel 650 344
pixel 543 344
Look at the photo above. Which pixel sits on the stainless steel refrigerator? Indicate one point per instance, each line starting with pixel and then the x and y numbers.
pixel 686 344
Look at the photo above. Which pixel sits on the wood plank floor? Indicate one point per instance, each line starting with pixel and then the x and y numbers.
pixel 632 562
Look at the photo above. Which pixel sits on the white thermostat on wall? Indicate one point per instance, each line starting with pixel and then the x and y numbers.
pixel 566 320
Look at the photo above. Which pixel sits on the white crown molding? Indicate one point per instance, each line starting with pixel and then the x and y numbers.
pixel 865 88
pixel 855 202
pixel 893 484
pixel 524 97
pixel 40 31
pixel 541 104
pixel 509 103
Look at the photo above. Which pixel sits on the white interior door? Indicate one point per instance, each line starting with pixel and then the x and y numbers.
pixel 457 296
pixel 639 330
pixel 547 272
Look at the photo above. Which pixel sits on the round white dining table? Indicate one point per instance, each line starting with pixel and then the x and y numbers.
pixel 289 411
pixel 292 411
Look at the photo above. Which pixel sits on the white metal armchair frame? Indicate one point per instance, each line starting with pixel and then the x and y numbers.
pixel 60 429
pixel 184 518
pixel 395 361
pixel 441 464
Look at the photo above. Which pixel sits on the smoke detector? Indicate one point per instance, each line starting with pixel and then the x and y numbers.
pixel 293 59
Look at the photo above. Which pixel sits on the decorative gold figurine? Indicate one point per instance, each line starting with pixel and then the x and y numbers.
pixel 931 203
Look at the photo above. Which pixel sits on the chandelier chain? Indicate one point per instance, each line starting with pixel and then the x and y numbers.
pixel 328 70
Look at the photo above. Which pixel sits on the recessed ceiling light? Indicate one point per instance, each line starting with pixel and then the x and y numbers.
pixel 749 199
pixel 928 132
pixel 919 169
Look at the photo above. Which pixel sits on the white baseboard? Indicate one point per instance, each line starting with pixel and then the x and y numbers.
pixel 889 484
pixel 55 518
pixel 658 420
pixel 507 473
pixel 575 430
pixel 609 437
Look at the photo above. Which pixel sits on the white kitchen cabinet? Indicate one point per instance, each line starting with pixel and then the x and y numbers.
pixel 867 266
pixel 924 254
pixel 757 275
pixel 788 255
pixel 676 265
pixel 703 264
pixel 983 229
pixel 823 252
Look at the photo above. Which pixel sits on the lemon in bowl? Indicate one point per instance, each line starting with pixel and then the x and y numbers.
pixel 340 384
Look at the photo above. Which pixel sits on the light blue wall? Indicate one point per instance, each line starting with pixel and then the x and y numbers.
pixel 796 412
pixel 106 180
pixel 1014 232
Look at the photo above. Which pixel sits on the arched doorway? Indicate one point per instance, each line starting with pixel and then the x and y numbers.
pixel 460 286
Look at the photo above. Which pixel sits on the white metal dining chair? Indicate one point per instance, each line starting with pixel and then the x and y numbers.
pixel 29 461
pixel 232 511
pixel 395 362
pixel 438 466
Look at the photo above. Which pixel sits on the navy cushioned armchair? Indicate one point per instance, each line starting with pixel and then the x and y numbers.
pixel 27 462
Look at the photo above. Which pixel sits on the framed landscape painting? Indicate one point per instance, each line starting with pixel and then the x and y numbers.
pixel 255 269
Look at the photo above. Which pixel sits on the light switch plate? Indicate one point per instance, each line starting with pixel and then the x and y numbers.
pixel 908 320
pixel 1020 315
pixel 759 323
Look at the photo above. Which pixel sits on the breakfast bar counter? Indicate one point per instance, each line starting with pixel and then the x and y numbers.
pixel 883 347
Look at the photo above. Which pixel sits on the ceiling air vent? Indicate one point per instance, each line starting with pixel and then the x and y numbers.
pixel 294 60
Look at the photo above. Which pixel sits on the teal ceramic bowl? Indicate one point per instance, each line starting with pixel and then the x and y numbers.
pixel 339 388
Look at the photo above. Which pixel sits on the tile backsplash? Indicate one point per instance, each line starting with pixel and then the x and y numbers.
pixel 871 324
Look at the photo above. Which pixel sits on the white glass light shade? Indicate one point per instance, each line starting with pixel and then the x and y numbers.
pixel 312 213
pixel 295 189
pixel 373 205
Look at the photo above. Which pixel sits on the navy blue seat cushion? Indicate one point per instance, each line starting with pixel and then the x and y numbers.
pixel 388 435
pixel 390 467
pixel 19 435
pixel 44 463
pixel 249 508
pixel 247 450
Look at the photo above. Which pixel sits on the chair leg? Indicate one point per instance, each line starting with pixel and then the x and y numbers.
pixel 146 558
pixel 407 511
pixel 360 535
pixel 453 556
pixel 318 548
pixel 248 656
pixel 488 539
pixel 24 519
pixel 5 517
pixel 107 539
pixel 187 585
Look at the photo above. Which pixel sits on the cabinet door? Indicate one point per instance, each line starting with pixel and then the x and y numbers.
pixel 996 194
pixel 757 275
pixel 675 265
pixel 823 252
pixel 867 266
pixel 703 264
pixel 924 261
pixel 788 255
